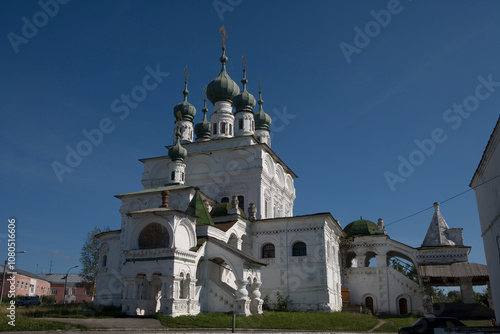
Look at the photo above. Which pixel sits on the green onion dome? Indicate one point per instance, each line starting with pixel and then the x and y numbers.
pixel 361 227
pixel 222 88
pixel 204 128
pixel 262 120
pixel 244 101
pixel 177 152
pixel 184 110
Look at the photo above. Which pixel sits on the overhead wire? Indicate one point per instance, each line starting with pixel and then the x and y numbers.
pixel 444 201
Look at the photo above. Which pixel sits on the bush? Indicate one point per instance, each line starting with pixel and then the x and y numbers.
pixel 282 303
pixel 265 304
pixel 48 300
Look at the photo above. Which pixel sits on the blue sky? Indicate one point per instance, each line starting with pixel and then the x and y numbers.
pixel 348 108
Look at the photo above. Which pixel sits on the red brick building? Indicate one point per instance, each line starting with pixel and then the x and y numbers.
pixel 74 292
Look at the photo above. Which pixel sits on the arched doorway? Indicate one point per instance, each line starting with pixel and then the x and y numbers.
pixel 369 304
pixel 403 306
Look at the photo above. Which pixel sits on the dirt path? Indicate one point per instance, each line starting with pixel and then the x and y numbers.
pixel 380 323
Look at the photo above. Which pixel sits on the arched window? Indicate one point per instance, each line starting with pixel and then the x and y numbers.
pixel 241 202
pixel 214 127
pixel 181 287
pixel 104 260
pixel 224 200
pixel 299 249
pixel 153 236
pixel 268 251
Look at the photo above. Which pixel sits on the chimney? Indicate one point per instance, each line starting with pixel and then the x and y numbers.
pixel 381 227
pixel 165 194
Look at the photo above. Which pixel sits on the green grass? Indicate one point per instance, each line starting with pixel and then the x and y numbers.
pixel 276 320
pixel 66 311
pixel 23 323
pixel 393 323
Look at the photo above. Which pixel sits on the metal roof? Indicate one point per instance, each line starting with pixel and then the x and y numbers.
pixel 456 270
pixel 61 278
pixel 24 273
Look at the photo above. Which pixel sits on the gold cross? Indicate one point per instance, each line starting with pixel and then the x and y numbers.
pixel 224 35
pixel 244 62
pixel 186 72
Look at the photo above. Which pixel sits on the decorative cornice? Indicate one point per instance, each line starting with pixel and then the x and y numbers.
pixel 289 230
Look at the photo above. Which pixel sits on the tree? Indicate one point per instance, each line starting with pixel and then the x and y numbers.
pixel 482 298
pixel 405 267
pixel 89 258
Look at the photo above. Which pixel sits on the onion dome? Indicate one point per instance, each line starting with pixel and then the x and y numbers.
pixel 185 110
pixel 177 152
pixel 204 128
pixel 244 101
pixel 361 227
pixel 222 88
pixel 262 120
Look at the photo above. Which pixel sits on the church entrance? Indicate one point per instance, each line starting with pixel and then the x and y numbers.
pixel 403 306
pixel 369 303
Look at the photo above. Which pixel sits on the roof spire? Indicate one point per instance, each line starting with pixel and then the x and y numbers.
pixel 244 81
pixel 205 109
pixel 260 102
pixel 186 92
pixel 223 58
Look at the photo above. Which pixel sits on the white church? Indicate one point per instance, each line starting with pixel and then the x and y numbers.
pixel 213 230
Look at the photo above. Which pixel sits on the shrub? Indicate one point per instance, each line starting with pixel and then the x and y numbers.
pixel 282 304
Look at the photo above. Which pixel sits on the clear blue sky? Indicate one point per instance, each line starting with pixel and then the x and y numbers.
pixel 349 120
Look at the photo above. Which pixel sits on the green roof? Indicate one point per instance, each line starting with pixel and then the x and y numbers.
pixel 361 227
pixel 197 208
pixel 223 209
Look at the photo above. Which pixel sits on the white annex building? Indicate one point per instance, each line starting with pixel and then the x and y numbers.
pixel 213 230
pixel 486 184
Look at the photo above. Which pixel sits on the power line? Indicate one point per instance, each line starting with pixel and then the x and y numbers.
pixel 446 200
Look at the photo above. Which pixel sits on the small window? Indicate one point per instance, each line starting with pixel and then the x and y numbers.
pixel 230 129
pixel 224 200
pixel 172 175
pixel 104 260
pixel 182 177
pixel 241 203
pixel 222 127
pixel 268 251
pixel 54 291
pixel 240 123
pixel 214 126
pixel 299 249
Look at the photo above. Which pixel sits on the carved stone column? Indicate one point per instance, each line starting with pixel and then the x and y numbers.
pixel 242 302
pixel 255 300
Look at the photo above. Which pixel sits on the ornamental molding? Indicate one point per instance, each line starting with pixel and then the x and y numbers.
pixel 289 230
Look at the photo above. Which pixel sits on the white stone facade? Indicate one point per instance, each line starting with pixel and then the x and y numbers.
pixel 486 184
pixel 214 231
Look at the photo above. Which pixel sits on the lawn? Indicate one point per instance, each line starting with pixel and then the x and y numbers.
pixel 336 321
pixel 276 320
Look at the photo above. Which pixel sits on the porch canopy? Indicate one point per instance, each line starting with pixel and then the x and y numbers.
pixel 453 274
